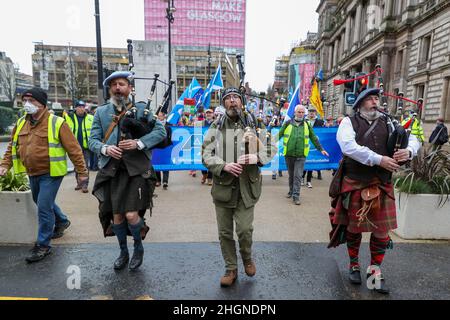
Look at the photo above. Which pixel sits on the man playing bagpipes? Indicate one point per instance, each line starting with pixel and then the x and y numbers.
pixel 124 185
pixel 362 191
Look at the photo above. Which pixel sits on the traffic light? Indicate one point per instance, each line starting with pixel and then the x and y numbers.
pixel 361 84
pixel 349 86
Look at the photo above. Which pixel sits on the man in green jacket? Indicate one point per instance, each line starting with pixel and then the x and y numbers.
pixel 233 153
pixel 296 135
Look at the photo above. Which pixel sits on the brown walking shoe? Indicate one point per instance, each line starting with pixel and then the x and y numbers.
pixel 228 278
pixel 250 268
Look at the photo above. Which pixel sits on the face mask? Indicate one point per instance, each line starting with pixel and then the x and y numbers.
pixel 30 108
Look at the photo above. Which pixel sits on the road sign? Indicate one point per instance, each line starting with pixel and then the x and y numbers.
pixel 350 99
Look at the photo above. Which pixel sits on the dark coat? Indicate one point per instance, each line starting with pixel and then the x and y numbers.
pixel 440 129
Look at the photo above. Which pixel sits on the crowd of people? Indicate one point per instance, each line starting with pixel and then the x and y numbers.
pixel 362 197
pixel 205 117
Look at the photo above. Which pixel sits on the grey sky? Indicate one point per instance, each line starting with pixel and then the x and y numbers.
pixel 272 27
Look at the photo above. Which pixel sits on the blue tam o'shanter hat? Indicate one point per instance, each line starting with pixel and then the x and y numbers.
pixel 116 75
pixel 365 94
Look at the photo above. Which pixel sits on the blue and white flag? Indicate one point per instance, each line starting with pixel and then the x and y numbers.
pixel 193 91
pixel 319 75
pixel 295 100
pixel 215 84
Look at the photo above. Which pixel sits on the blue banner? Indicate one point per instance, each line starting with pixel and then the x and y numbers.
pixel 186 151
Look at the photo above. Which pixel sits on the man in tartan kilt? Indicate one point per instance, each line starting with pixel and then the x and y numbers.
pixel 365 201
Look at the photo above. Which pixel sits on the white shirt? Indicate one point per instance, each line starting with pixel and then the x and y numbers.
pixel 346 138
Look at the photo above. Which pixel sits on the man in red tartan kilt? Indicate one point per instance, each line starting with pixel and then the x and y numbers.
pixel 365 201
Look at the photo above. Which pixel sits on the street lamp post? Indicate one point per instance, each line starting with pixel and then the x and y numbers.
pixel 170 18
pixel 100 93
pixel 72 89
pixel 209 63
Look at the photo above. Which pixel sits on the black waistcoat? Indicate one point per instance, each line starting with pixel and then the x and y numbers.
pixel 375 141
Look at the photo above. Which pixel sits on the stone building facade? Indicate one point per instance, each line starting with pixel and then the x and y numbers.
pixel 408 38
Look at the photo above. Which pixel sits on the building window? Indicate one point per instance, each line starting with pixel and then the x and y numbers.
pixel 399 64
pixel 420 91
pixel 425 49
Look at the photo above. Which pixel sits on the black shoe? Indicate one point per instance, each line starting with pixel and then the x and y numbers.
pixel 383 289
pixel 38 253
pixel 274 177
pixel 59 230
pixel 355 275
pixel 319 176
pixel 280 174
pixel 297 202
pixel 165 186
pixel 136 260
pixel 122 261
pixel 289 195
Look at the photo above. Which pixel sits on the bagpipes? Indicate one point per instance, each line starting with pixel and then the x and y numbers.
pixel 251 124
pixel 133 127
pixel 398 133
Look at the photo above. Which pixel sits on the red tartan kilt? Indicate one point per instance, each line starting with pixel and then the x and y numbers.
pixel 385 219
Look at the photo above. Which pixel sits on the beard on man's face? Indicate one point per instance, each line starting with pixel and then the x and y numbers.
pixel 118 98
pixel 233 111
pixel 370 115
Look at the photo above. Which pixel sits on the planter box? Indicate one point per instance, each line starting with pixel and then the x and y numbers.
pixel 419 217
pixel 18 214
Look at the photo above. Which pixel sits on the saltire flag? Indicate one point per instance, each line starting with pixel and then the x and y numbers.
pixel 295 100
pixel 315 99
pixel 319 75
pixel 191 91
pixel 215 84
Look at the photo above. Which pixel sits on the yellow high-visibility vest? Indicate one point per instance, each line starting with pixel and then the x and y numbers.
pixel 287 135
pixel 56 152
pixel 86 127
pixel 416 129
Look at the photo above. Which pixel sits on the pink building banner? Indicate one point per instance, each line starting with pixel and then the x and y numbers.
pixel 306 72
pixel 220 23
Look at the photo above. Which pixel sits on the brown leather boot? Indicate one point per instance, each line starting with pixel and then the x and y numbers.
pixel 250 268
pixel 228 278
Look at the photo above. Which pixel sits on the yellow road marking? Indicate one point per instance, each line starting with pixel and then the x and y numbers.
pixel 21 298
pixel 102 298
pixel 146 297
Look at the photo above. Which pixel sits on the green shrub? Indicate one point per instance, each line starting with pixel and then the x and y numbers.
pixel 14 182
pixel 428 173
pixel 414 186
pixel 7 118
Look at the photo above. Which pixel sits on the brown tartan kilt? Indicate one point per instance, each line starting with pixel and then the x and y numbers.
pixel 385 218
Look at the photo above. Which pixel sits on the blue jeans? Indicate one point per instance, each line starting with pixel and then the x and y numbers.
pixel 295 170
pixel 44 189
